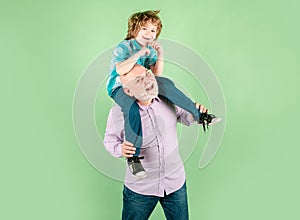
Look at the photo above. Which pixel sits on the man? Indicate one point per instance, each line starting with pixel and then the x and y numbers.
pixel 165 180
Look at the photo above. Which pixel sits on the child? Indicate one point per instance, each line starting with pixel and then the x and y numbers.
pixel 140 47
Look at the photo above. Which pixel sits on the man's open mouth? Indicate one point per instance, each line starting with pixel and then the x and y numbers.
pixel 150 87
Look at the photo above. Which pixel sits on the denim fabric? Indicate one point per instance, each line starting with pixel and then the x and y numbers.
pixel 139 207
pixel 130 109
pixel 132 118
pixel 168 90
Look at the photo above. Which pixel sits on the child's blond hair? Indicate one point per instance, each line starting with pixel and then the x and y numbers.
pixel 138 19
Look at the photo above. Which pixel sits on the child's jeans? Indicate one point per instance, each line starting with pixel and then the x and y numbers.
pixel 130 109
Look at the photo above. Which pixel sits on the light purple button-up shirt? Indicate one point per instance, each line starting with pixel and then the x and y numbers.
pixel 162 161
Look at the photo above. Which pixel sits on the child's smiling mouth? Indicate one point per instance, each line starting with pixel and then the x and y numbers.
pixel 148 38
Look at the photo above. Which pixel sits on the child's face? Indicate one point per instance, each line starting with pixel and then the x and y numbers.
pixel 147 34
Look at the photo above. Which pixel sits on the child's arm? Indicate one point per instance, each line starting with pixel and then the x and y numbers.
pixel 125 66
pixel 158 68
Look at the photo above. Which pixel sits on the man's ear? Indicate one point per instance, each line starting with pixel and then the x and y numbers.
pixel 127 92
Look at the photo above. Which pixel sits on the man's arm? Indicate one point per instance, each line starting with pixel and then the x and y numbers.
pixel 114 138
pixel 184 117
pixel 187 118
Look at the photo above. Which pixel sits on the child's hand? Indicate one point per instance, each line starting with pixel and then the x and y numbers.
pixel 157 46
pixel 144 51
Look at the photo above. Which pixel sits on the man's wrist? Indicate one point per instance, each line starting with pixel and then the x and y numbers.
pixel 118 151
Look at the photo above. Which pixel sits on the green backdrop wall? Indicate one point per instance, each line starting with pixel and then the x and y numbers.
pixel 253 48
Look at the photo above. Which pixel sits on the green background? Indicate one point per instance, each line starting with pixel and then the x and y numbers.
pixel 252 46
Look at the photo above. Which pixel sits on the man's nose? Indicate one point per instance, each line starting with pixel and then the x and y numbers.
pixel 146 81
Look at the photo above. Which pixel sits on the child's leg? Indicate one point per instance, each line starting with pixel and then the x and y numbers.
pixel 168 89
pixel 132 118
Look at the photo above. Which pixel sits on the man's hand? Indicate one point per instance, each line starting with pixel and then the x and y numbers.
pixel 127 149
pixel 201 108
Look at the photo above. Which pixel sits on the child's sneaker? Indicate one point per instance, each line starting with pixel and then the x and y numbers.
pixel 135 167
pixel 208 120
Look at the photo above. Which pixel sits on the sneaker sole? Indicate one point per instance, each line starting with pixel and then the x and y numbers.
pixel 215 121
pixel 140 175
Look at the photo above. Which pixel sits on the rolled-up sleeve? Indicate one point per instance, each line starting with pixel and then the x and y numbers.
pixel 113 137
pixel 184 117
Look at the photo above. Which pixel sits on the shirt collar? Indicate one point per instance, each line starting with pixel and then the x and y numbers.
pixel 156 99
pixel 135 44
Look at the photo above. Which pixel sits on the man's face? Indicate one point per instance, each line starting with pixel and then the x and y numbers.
pixel 147 34
pixel 142 85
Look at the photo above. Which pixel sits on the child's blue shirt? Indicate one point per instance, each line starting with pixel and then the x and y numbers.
pixel 122 52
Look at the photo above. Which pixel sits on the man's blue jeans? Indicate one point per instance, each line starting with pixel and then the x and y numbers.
pixel 139 207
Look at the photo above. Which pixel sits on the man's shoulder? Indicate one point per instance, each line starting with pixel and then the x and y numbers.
pixel 116 114
pixel 167 103
pixel 115 109
pixel 182 115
